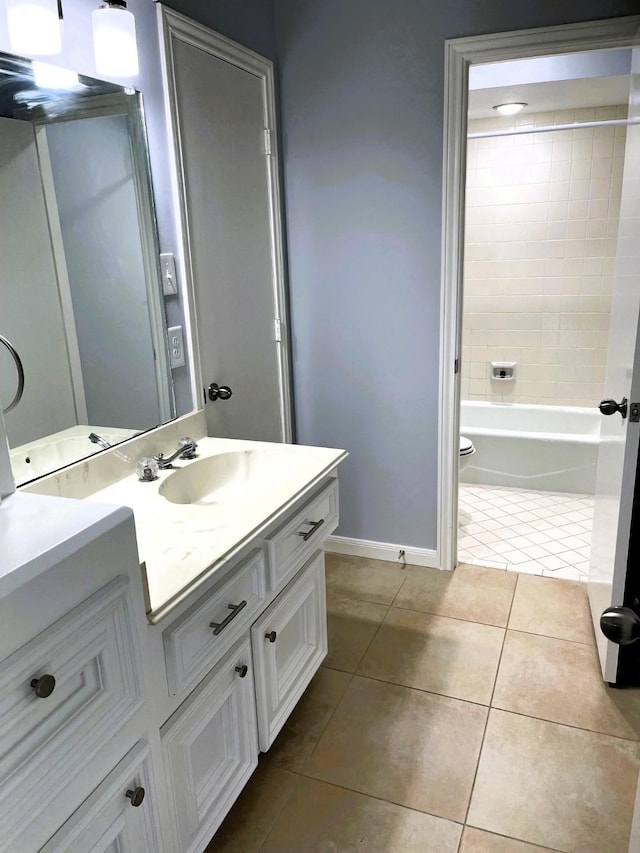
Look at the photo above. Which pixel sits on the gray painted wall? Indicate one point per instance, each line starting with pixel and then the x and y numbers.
pixel 362 87
pixel 249 22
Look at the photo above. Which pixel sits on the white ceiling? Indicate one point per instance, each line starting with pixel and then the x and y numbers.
pixel 565 81
pixel 545 97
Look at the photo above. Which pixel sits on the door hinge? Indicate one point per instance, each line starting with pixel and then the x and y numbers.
pixel 277 329
pixel 634 413
pixel 267 141
pixel 456 366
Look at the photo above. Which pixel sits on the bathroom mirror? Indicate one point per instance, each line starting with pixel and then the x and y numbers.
pixel 80 291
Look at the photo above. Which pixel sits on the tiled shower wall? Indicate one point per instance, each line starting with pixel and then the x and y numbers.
pixel 541 227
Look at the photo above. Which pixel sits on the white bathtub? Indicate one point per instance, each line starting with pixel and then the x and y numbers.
pixel 547 448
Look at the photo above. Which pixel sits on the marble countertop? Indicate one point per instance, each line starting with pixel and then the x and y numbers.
pixel 182 544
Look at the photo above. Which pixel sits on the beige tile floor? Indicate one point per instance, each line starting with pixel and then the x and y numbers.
pixel 455 713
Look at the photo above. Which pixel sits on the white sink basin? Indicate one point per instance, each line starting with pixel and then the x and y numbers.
pixel 237 476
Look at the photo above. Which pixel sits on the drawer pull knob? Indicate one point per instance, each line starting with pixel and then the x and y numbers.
pixel 43 686
pixel 271 636
pixel 218 627
pixel 136 796
pixel 242 670
pixel 314 526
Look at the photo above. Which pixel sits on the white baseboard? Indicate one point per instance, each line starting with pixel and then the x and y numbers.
pixel 382 551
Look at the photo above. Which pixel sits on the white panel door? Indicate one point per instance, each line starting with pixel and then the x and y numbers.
pixel 219 100
pixel 618 450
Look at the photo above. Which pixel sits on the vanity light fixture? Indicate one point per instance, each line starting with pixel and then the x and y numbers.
pixel 510 109
pixel 35 29
pixel 114 40
pixel 34 26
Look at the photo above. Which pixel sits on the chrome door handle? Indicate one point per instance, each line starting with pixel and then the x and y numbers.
pixel 610 407
pixel 219 392
pixel 621 625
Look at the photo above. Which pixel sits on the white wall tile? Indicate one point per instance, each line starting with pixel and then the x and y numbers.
pixel 542 220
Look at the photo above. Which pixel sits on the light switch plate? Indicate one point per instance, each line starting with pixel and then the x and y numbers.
pixel 168 271
pixel 176 346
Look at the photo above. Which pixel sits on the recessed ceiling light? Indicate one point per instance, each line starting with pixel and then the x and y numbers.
pixel 509 109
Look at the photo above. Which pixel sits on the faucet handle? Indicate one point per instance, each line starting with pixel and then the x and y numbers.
pixel 189 448
pixel 147 469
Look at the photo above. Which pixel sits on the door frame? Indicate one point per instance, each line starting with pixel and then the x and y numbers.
pixel 174 25
pixel 459 55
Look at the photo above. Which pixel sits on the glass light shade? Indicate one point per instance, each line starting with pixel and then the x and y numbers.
pixel 509 109
pixel 114 41
pixel 34 27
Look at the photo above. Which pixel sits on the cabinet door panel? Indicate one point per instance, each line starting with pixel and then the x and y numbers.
pixel 91 655
pixel 107 822
pixel 289 644
pixel 210 748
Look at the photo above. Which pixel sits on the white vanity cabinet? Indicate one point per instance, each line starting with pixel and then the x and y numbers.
pixel 72 682
pixel 124 732
pixel 248 673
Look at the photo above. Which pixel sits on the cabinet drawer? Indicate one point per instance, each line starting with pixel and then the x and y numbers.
pixel 192 646
pixel 108 820
pixel 61 726
pixel 302 535
pixel 289 643
pixel 210 748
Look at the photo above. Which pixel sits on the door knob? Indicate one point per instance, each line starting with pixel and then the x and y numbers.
pixel 610 407
pixel 621 625
pixel 219 392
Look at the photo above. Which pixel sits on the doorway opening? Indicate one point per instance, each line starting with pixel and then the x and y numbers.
pixel 618 438
pixel 542 208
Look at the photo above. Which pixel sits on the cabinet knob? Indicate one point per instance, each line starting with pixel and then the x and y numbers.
pixel 136 796
pixel 43 686
pixel 271 636
pixel 242 670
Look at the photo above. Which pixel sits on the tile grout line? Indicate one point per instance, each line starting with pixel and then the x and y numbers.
pixel 486 725
pixel 352 676
pixel 278 811
pixel 374 797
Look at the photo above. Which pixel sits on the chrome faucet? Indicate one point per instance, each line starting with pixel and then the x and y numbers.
pixel 96 439
pixel 186 450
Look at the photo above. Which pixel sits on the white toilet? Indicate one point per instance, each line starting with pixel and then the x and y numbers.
pixel 466 451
